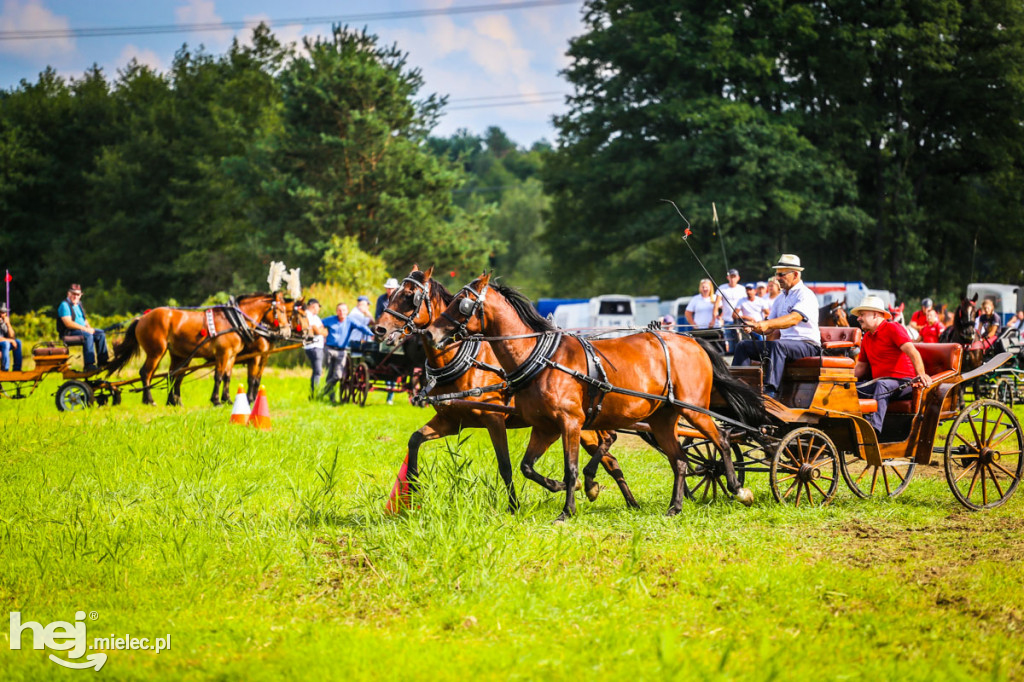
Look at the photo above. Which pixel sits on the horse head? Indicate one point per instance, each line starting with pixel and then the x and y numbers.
pixel 411 307
pixel 463 316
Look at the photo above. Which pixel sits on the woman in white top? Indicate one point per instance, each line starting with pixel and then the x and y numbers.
pixel 703 310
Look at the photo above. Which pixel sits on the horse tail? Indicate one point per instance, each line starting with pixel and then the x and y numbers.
pixel 126 350
pixel 746 404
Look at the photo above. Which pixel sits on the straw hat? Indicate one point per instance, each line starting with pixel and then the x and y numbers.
pixel 788 261
pixel 392 283
pixel 874 304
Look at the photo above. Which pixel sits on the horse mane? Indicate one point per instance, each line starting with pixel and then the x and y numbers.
pixel 246 297
pixel 442 290
pixel 527 313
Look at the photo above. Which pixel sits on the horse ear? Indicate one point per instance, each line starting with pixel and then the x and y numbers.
pixel 975 299
pixel 428 274
pixel 415 267
pixel 485 279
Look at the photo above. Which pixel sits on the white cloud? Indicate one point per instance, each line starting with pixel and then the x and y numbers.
pixel 285 34
pixel 204 12
pixel 33 16
pixel 142 56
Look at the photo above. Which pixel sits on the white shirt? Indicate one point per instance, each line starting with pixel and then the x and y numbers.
pixel 314 321
pixel 361 318
pixel 703 310
pixel 732 295
pixel 799 299
pixel 753 309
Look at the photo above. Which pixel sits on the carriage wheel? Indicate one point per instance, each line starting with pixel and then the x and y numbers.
pixel 74 395
pixel 1005 392
pixel 360 385
pixel 866 480
pixel 983 455
pixel 705 470
pixel 805 468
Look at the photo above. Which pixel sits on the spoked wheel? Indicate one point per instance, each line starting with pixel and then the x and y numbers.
pixel 74 395
pixel 805 468
pixel 360 385
pixel 983 455
pixel 866 480
pixel 705 470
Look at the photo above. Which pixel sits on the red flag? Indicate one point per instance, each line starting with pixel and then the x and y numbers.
pixel 8 278
pixel 688 232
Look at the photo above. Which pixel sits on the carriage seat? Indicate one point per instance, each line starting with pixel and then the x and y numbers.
pixel 73 340
pixel 824 361
pixel 941 362
pixel 839 338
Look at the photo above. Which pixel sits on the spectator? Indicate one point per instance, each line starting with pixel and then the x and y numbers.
pixel 987 322
pixel 762 290
pixel 702 310
pixel 362 315
pixel 1017 321
pixel 72 322
pixel 314 347
pixel 10 344
pixel 668 323
pixel 339 329
pixel 752 308
pixel 920 317
pixel 382 300
pixel 774 291
pixel 731 293
pixel 932 329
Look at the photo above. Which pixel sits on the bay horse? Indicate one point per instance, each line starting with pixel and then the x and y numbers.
pixel 652 376
pixel 411 309
pixel 833 315
pixel 186 334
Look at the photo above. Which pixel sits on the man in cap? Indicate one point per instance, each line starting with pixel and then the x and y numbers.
pixel 731 293
pixel 382 300
pixel 314 346
pixel 752 308
pixel 919 320
pixel 71 322
pixel 889 356
pixel 361 315
pixel 10 344
pixel 791 330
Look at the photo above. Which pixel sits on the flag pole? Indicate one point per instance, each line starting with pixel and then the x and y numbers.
pixel 718 228
pixel 7 283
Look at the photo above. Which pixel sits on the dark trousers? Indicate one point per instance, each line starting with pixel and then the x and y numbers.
pixel 94 346
pixel 316 360
pixel 337 360
pixel 775 354
pixel 884 391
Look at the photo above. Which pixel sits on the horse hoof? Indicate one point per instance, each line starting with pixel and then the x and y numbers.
pixel 593 491
pixel 562 518
pixel 745 496
pixel 579 485
pixel 672 511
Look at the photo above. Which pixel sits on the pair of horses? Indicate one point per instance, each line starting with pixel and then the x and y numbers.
pixel 216 334
pixel 653 376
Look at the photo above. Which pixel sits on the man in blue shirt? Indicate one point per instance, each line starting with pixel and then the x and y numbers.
pixel 339 330
pixel 10 344
pixel 71 322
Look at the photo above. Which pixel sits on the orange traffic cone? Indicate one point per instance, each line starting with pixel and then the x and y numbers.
pixel 399 500
pixel 260 417
pixel 240 410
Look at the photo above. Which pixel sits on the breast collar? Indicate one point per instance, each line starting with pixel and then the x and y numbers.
pixel 459 365
pixel 522 375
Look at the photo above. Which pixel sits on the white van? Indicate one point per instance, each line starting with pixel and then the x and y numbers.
pixel 1005 297
pixel 610 310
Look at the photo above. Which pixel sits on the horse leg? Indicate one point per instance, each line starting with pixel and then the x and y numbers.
pixel 146 374
pixel 229 366
pixel 495 425
pixel 706 425
pixel 174 387
pixel 600 455
pixel 571 455
pixel 663 428
pixel 255 376
pixel 438 427
pixel 538 445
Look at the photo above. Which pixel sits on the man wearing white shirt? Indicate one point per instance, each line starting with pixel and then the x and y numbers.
pixel 791 329
pixel 731 293
pixel 314 346
pixel 752 308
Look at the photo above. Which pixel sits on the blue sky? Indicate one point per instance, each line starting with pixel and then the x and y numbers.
pixel 499 67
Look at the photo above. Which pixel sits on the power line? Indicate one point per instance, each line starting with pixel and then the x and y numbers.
pixel 543 100
pixel 43 34
pixel 516 95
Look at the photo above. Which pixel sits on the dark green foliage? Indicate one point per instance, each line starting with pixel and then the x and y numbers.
pixel 876 141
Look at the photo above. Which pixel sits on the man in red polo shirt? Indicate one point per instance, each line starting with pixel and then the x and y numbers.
pixel 889 356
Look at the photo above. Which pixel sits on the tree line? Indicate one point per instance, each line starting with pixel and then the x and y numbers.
pixel 879 142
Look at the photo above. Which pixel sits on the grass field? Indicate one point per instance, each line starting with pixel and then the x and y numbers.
pixel 266 555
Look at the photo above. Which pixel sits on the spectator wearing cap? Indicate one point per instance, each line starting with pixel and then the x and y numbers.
pixel 668 323
pixel 732 293
pixel 887 357
pixel 752 308
pixel 340 327
pixel 361 315
pixel 931 332
pixel 791 330
pixel 382 300
pixel 10 344
pixel 72 324
pixel 314 346
pixel 919 320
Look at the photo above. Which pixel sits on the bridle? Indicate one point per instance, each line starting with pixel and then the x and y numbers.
pixel 275 309
pixel 420 297
pixel 468 308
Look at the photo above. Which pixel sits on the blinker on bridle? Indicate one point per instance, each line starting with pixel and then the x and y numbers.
pixel 468 307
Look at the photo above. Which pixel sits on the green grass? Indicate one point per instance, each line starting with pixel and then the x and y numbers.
pixel 267 555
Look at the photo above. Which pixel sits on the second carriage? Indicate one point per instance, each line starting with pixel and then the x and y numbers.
pixel 373 367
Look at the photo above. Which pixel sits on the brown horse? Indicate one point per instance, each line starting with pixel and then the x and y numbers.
pixel 186 335
pixel 652 376
pixel 833 315
pixel 412 308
